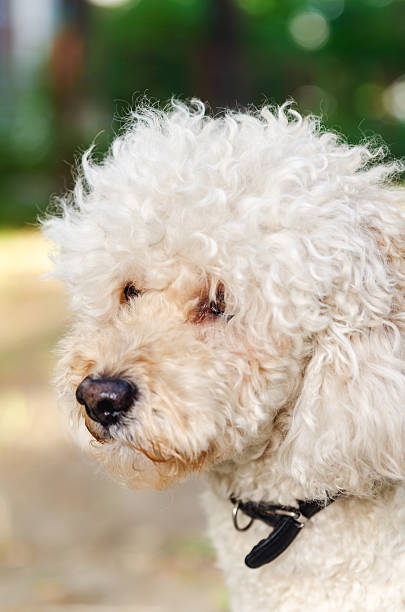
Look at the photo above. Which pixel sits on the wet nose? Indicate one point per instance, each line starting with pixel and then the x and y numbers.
pixel 106 399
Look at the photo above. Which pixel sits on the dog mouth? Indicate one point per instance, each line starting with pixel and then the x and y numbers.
pixel 101 433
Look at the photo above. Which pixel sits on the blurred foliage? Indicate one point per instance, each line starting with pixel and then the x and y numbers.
pixel 342 59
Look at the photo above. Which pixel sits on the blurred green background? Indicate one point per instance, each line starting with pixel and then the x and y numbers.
pixel 70 70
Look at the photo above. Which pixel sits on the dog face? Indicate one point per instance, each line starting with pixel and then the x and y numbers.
pixel 168 380
pixel 235 283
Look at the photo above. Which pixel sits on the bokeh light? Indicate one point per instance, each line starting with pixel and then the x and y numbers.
pixel 332 9
pixel 33 25
pixel 309 30
pixel 394 99
pixel 109 3
pixel 314 99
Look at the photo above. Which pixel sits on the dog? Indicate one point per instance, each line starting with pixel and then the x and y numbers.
pixel 238 284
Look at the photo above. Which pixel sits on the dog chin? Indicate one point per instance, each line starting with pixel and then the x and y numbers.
pixel 135 467
pixel 135 470
pixel 99 432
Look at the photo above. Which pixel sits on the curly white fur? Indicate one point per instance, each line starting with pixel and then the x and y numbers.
pixel 300 391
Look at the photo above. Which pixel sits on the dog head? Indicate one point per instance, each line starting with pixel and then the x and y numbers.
pixel 237 284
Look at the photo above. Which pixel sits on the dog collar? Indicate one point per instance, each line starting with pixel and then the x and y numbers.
pixel 287 522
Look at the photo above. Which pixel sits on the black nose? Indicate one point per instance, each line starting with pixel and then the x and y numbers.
pixel 106 399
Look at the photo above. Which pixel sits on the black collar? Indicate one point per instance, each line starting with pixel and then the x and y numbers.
pixel 287 522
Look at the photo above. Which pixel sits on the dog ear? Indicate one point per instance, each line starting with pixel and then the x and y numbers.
pixel 347 430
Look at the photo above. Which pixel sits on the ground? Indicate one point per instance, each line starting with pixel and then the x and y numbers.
pixel 71 540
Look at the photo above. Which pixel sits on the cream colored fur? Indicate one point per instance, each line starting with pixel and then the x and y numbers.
pixel 298 389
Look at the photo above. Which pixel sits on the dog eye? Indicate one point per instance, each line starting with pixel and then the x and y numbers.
pixel 129 292
pixel 214 309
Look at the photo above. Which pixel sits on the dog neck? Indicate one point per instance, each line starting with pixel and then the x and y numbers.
pixel 346 544
pixel 258 488
pixel 256 475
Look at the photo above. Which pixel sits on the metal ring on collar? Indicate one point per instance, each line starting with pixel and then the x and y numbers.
pixel 299 518
pixel 235 511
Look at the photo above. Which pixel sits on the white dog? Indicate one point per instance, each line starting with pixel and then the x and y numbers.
pixel 239 285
